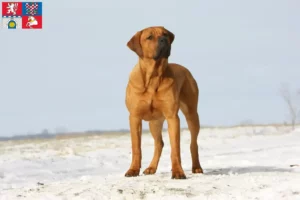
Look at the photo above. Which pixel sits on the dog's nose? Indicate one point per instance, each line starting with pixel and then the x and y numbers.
pixel 162 40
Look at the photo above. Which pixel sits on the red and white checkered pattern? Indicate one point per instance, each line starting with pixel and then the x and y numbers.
pixel 31 8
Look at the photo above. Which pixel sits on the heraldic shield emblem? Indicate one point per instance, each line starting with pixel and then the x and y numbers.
pixel 22 15
pixel 11 24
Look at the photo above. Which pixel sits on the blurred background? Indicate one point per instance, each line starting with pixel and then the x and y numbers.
pixel 243 54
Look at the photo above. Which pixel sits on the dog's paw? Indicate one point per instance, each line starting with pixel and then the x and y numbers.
pixel 197 170
pixel 178 175
pixel 132 173
pixel 149 170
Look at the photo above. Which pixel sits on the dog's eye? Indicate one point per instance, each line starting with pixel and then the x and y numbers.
pixel 150 37
pixel 166 34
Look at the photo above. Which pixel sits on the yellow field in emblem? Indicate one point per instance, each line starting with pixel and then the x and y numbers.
pixel 12 24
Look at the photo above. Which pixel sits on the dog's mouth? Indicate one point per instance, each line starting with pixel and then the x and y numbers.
pixel 162 52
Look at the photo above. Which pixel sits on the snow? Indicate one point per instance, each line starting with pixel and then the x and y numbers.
pixel 239 163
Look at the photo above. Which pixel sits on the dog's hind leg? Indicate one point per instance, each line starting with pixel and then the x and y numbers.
pixel 156 127
pixel 192 119
pixel 194 127
pixel 188 106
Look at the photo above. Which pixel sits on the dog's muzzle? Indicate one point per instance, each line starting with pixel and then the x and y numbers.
pixel 163 48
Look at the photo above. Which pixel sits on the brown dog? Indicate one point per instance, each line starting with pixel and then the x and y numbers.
pixel 156 91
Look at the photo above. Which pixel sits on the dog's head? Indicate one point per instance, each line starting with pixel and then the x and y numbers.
pixel 152 43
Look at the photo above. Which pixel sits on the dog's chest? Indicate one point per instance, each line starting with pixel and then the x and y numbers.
pixel 149 102
pixel 149 106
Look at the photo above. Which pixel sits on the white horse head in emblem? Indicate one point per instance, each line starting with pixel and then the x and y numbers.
pixel 31 21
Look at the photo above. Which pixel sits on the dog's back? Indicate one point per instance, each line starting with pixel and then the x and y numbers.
pixel 185 78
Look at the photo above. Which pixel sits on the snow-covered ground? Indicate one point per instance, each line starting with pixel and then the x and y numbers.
pixel 238 163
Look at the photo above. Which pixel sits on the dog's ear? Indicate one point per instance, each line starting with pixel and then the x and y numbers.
pixel 171 36
pixel 135 45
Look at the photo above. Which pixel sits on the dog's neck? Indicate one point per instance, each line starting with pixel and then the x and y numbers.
pixel 151 68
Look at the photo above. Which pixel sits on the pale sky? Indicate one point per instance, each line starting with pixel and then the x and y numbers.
pixel 73 73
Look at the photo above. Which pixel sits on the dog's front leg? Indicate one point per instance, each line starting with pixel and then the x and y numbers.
pixel 136 133
pixel 174 134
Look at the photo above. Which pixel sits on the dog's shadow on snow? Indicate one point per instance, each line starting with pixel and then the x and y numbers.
pixel 245 170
